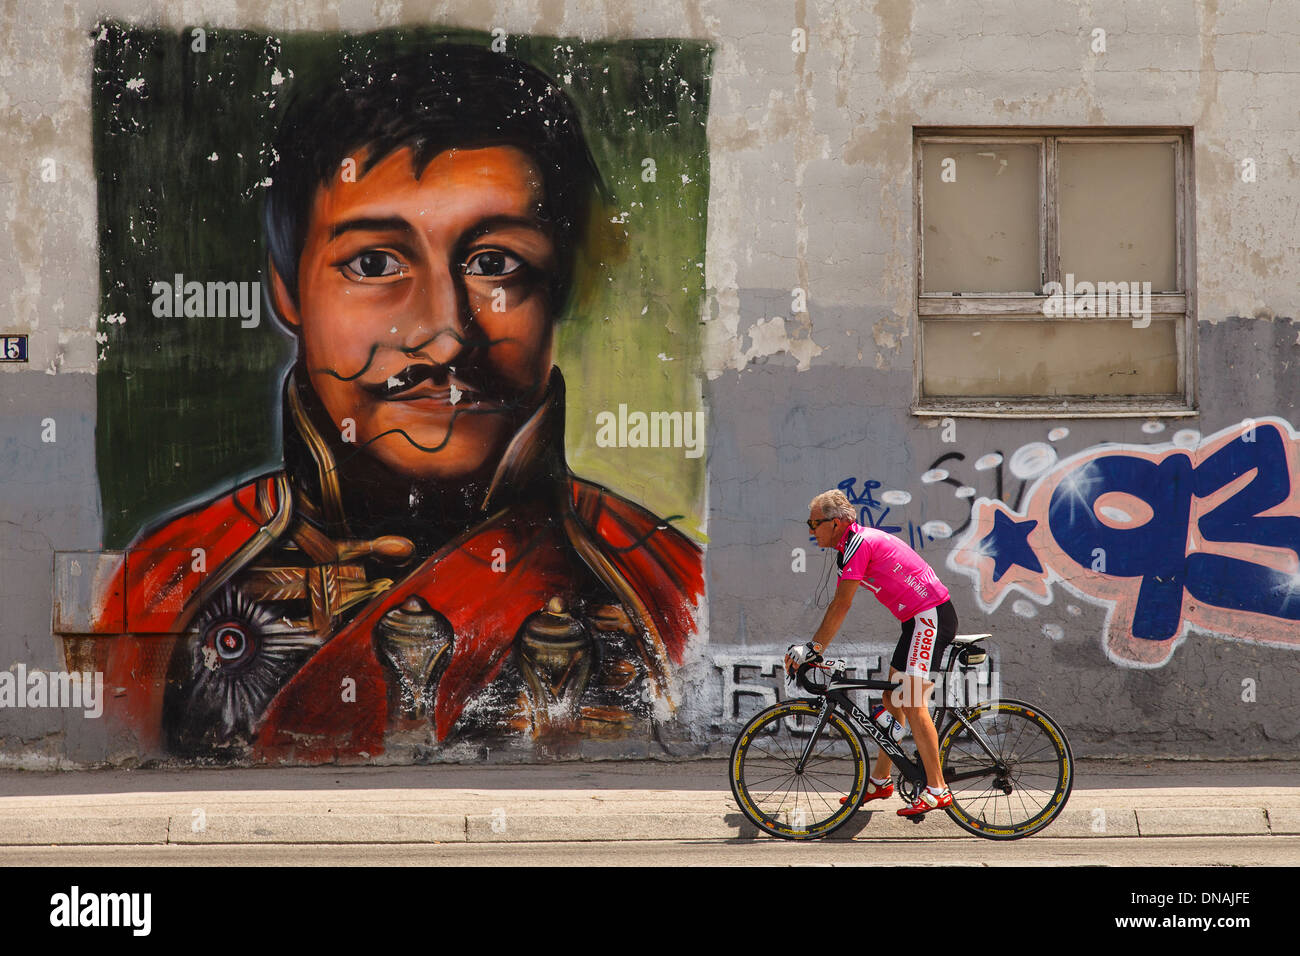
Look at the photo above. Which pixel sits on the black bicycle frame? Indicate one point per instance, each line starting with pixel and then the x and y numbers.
pixel 835 697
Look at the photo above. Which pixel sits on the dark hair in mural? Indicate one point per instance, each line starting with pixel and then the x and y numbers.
pixel 419 102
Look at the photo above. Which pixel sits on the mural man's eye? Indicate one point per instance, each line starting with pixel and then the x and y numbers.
pixel 374 265
pixel 492 263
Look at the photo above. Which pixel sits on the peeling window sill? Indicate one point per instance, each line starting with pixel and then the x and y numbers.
pixel 1072 407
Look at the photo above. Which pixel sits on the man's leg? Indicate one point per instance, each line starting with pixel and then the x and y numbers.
pixel 880 770
pixel 916 693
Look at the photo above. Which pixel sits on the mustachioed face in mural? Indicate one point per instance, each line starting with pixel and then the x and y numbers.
pixel 421 245
pixel 424 306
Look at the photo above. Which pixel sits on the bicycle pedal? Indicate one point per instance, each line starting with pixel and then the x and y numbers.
pixel 918 818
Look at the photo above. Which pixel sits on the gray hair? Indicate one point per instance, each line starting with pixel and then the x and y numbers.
pixel 834 504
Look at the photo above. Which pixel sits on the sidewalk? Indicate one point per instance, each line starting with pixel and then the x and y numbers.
pixel 606 801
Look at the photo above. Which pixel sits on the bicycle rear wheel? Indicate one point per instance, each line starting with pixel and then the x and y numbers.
pixel 790 805
pixel 1023 786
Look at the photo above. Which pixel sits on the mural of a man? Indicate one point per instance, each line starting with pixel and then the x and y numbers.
pixel 424 560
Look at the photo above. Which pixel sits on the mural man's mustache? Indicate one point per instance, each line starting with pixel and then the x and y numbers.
pixel 462 383
pixel 471 344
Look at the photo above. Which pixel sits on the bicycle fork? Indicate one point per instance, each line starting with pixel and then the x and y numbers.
pixel 822 716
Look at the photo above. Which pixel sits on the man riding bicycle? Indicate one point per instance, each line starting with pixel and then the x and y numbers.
pixel 913 593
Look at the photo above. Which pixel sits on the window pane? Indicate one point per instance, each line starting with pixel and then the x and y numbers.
pixel 1117 213
pixel 971 358
pixel 981 229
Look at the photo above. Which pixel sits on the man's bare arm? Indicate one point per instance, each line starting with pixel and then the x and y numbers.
pixel 835 614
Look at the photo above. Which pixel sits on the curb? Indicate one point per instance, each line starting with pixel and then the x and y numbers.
pixel 1284 820
pixel 1203 821
pixel 500 826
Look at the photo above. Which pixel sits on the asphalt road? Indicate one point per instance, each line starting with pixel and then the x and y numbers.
pixel 1041 851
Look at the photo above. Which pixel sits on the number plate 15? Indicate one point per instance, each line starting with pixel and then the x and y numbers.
pixel 13 348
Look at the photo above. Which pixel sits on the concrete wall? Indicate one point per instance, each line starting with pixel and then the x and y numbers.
pixel 810 161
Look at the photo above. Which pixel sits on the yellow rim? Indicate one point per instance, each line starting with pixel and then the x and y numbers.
pixel 772 825
pixel 1048 813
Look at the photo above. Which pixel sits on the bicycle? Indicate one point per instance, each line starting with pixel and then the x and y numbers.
pixel 793 761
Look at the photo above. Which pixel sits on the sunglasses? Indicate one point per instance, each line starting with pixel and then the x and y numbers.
pixel 813 525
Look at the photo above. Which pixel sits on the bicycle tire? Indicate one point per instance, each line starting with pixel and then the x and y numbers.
pixel 1040 767
pixel 797 806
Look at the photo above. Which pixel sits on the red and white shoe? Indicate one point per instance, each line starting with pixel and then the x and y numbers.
pixel 927 801
pixel 873 792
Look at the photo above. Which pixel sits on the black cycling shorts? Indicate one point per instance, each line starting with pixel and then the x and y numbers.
pixel 924 639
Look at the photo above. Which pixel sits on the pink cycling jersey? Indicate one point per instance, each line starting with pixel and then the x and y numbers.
pixel 899 577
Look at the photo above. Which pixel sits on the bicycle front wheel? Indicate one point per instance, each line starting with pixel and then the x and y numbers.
pixel 785 802
pixel 1013 776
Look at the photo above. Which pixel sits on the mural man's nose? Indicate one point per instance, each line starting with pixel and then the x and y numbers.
pixel 437 320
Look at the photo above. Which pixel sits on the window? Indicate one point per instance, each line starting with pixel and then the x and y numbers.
pixel 1054 273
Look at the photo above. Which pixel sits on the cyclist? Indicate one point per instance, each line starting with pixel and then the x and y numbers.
pixel 902 581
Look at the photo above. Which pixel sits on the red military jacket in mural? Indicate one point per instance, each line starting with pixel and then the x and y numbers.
pixel 274 623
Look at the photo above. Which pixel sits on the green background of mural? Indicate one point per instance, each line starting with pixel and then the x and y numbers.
pixel 188 405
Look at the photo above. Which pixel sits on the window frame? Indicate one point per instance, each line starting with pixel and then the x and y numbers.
pixel 1011 306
